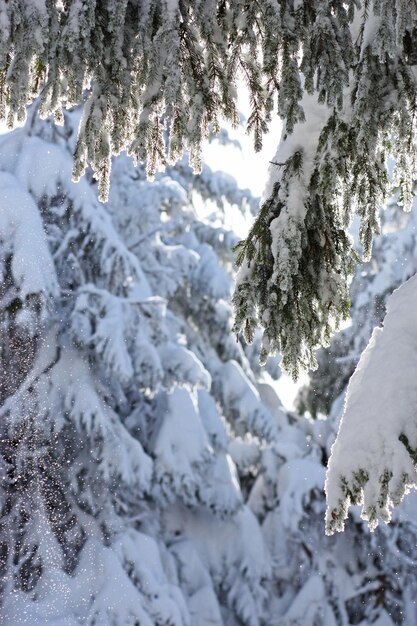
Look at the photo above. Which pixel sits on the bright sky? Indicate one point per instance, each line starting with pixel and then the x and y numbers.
pixel 249 168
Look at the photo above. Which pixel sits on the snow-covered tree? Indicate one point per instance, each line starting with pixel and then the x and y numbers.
pixel 158 74
pixel 352 578
pixel 122 388
pixel 114 447
pixel 298 258
pixel 151 475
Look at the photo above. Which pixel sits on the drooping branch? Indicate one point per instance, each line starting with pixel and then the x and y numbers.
pixel 297 260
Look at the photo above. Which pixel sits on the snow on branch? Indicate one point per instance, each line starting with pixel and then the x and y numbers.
pixel 373 461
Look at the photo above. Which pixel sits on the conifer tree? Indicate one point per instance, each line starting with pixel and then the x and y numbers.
pixel 159 73
pixel 121 503
pixel 152 475
pixel 100 354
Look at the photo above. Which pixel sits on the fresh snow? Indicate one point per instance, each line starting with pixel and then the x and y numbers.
pixel 380 406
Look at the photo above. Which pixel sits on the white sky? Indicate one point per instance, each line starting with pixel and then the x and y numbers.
pixel 249 168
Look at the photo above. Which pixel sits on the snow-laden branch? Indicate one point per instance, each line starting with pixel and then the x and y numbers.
pixel 373 461
pixel 297 259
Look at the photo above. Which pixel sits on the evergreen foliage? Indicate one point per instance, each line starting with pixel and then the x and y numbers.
pixel 392 263
pixel 151 474
pixel 167 64
pixel 159 74
pixel 371 469
pixel 148 66
pixel 114 440
pixel 297 259
pixel 377 475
